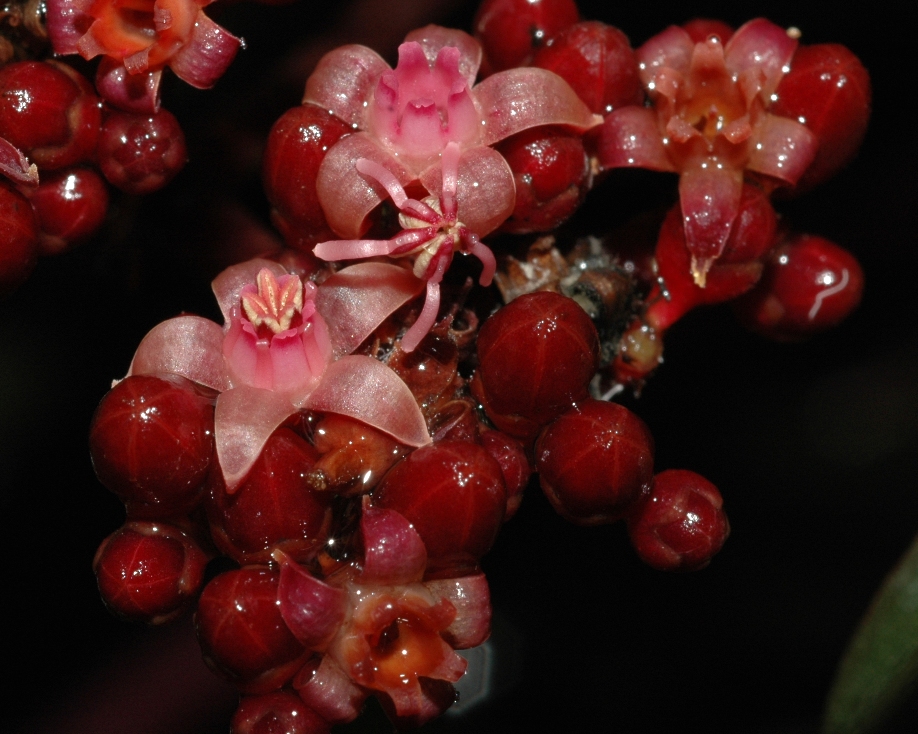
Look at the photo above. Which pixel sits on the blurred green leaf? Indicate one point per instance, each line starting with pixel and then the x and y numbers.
pixel 880 666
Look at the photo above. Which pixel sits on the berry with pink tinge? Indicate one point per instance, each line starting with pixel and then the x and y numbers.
pixel 701 29
pixel 537 356
pixel 152 443
pixel 242 633
pixel 828 90
pixel 598 62
pixel 50 112
pixel 682 525
pixel 552 175
pixel 279 712
pixel 453 493
pixel 273 508
pixel 71 205
pixel 296 147
pixel 149 572
pixel 141 153
pixel 595 462
pixel 18 239
pixel 810 284
pixel 511 31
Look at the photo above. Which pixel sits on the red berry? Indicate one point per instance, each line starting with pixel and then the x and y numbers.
pixel 149 572
pixel 552 174
pixel 701 29
pixel 140 153
pixel 537 356
pixel 598 62
pixel 511 31
pixel 71 205
pixel 595 462
pixel 242 633
pixel 296 147
pixel 453 493
pixel 273 508
pixel 152 442
pixel 18 239
pixel 514 466
pixel 809 285
pixel 50 112
pixel 682 525
pixel 279 712
pixel 828 90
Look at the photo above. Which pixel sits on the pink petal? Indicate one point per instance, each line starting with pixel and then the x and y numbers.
pixel 670 49
pixel 343 80
pixel 710 197
pixel 347 196
pixel 130 92
pixel 353 249
pixel 426 319
pixel 243 420
pixel 227 286
pixel 15 166
pixel 207 55
pixel 365 389
pixel 784 148
pixel 356 300
pixel 393 551
pixel 471 597
pixel 485 189
pixel 329 691
pixel 189 346
pixel 517 99
pixel 630 138
pixel 433 37
pixel 311 609
pixel 761 45
pixel 67 22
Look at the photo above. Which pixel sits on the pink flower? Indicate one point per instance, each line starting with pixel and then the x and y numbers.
pixel 285 347
pixel 424 123
pixel 142 36
pixel 710 123
pixel 380 628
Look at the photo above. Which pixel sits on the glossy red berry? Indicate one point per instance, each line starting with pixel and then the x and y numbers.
pixel 278 712
pixel 273 508
pixel 18 239
pixel 514 465
pixel 537 356
pixel 595 462
pixel 511 31
pixel 453 493
pixel 552 174
pixel 296 147
pixel 810 284
pixel 50 112
pixel 828 90
pixel 242 633
pixel 149 572
pixel 598 62
pixel 152 443
pixel 141 153
pixel 682 525
pixel 71 205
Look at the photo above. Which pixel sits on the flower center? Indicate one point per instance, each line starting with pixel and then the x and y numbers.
pixel 276 305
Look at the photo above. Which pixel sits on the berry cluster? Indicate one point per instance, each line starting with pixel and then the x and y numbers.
pixel 351 440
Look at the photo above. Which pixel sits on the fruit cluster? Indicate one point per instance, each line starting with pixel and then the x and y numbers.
pixel 322 474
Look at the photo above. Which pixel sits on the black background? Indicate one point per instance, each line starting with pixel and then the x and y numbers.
pixel 813 445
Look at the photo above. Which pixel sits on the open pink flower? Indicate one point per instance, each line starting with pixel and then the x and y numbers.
pixel 407 116
pixel 710 123
pixel 284 347
pixel 142 36
pixel 380 628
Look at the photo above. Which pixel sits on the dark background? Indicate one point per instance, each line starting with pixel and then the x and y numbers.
pixel 812 445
